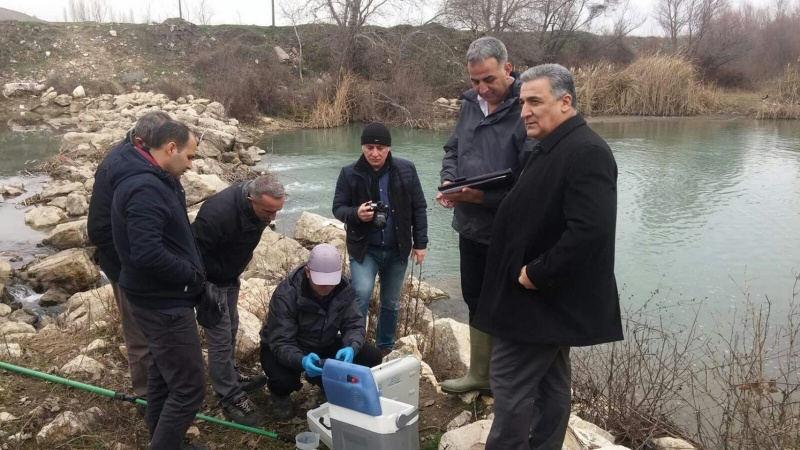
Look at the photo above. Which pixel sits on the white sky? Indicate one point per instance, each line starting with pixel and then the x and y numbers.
pixel 258 11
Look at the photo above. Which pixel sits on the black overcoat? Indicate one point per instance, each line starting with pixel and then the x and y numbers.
pixel 559 221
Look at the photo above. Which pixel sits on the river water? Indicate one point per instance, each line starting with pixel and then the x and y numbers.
pixel 708 209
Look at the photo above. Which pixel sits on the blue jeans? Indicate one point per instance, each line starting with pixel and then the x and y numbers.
pixel 391 267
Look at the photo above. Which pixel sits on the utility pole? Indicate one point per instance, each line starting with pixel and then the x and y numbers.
pixel 273 13
pixel 180 10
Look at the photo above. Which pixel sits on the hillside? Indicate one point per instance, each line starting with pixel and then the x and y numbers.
pixel 8 14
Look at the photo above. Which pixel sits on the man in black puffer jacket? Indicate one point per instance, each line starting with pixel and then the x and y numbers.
pixel 162 275
pixel 99 230
pixel 228 228
pixel 307 312
pixel 380 201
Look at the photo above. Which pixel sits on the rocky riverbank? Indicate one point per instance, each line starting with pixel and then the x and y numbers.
pixel 84 342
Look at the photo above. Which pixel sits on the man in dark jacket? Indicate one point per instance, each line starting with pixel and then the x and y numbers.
pixel 550 281
pixel 306 313
pixel 487 137
pixel 380 200
pixel 162 276
pixel 228 228
pixel 99 230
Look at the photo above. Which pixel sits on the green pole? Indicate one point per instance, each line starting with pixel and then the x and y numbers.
pixel 131 398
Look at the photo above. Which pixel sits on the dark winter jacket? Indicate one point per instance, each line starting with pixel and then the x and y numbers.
pixel 559 221
pixel 482 144
pixel 407 201
pixel 227 232
pixel 99 222
pixel 298 325
pixel 161 264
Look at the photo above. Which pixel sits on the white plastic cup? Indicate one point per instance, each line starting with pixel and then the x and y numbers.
pixel 307 440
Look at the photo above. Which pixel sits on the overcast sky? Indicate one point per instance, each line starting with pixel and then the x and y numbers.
pixel 258 11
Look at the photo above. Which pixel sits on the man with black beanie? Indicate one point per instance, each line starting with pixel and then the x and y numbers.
pixel 380 200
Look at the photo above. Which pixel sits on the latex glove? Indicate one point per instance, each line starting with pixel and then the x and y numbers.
pixel 309 365
pixel 346 354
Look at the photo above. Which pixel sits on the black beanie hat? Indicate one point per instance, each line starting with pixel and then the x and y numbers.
pixel 376 133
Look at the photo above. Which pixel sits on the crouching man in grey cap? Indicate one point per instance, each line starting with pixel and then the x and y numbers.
pixel 306 313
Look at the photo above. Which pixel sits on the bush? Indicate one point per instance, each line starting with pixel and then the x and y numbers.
pixel 171 89
pixel 786 104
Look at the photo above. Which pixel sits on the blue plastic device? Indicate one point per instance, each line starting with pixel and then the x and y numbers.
pixel 351 386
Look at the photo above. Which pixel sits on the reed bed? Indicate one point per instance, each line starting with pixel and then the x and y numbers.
pixel 786 104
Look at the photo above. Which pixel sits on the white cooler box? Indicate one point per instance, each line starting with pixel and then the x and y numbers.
pixel 397 382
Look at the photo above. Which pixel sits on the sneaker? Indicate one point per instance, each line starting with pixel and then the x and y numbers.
pixel 251 383
pixel 282 407
pixel 243 411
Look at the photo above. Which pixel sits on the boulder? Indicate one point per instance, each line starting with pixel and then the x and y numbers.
pixel 97 344
pixel 85 308
pixel 215 110
pixel 78 92
pixel 11 191
pixel 218 125
pixel 66 425
pixel 59 188
pixel 249 156
pixel 207 167
pixel 6 272
pixel 248 339
pixel 112 33
pixel 671 443
pixel 466 437
pixel 443 101
pixel 68 235
pixel 424 291
pixel 14 331
pixel 7 298
pixel 44 216
pixel 206 149
pixel 70 270
pixel 10 350
pixel 281 54
pixel 23 316
pixel 5 310
pixel 587 434
pixel 275 256
pixel 230 158
pixel 200 187
pixel 59 202
pixel 451 354
pixel 18 89
pixel 53 297
pixel 459 421
pixel 221 140
pixel 313 229
pixel 63 100
pixel 77 204
pixel 83 364
pixel 254 296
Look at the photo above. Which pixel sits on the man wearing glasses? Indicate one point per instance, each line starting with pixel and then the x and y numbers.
pixel 228 228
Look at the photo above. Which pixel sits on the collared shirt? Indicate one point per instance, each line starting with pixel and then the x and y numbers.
pixel 484 105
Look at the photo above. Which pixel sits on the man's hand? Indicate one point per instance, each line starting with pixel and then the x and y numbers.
pixel 524 280
pixel 365 213
pixel 441 198
pixel 468 195
pixel 417 255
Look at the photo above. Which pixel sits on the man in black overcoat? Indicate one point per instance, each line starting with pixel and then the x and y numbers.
pixel 549 283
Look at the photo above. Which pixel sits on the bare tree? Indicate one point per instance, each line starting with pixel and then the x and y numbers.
pixel 673 17
pixel 98 9
pixel 79 11
pixel 147 12
pixel 295 14
pixel 702 14
pixel 625 19
pixel 203 12
pixel 488 16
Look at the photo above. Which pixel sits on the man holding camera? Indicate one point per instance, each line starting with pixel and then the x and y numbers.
pixel 380 200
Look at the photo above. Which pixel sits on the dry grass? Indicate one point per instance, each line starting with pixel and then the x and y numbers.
pixel 329 113
pixel 786 104
pixel 650 86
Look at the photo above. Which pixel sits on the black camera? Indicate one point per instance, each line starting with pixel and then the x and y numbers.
pixel 379 219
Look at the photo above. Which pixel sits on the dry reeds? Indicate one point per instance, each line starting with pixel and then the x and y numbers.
pixel 652 86
pixel 329 114
pixel 786 105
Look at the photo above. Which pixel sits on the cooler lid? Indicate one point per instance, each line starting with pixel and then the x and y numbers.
pixel 351 386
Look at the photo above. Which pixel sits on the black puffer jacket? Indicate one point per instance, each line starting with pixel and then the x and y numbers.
pixel 227 232
pixel 297 324
pixel 161 264
pixel 354 187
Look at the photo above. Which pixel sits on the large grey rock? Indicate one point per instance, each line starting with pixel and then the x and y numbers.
pixel 215 110
pixel 281 54
pixel 70 270
pixel 254 296
pixel 312 229
pixel 465 438
pixel 53 297
pixel 274 257
pixel 23 316
pixel 221 140
pixel 77 204
pixel 587 434
pixel 63 100
pixel 11 191
pixel 66 425
pixel 14 331
pixel 6 272
pixel 249 156
pixel 78 92
pixel 44 217
pixel 68 235
pixel 18 89
pixel 59 188
pixel 207 150
pixel 207 167
pixel 451 354
pixel 85 308
pixel 459 421
pixel 248 339
pixel 5 310
pixel 424 291
pixel 83 364
pixel 200 187
pixel 214 124
pixel 671 443
pixel 10 350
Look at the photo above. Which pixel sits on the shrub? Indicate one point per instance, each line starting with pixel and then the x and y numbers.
pixel 171 89
pixel 786 104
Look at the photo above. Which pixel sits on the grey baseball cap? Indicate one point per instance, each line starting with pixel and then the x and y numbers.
pixel 325 264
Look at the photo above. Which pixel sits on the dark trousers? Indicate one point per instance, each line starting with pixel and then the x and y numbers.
pixel 473 265
pixel 135 343
pixel 531 389
pixel 284 380
pixel 221 344
pixel 176 379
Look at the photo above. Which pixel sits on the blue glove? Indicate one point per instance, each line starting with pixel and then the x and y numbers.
pixel 309 365
pixel 346 354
